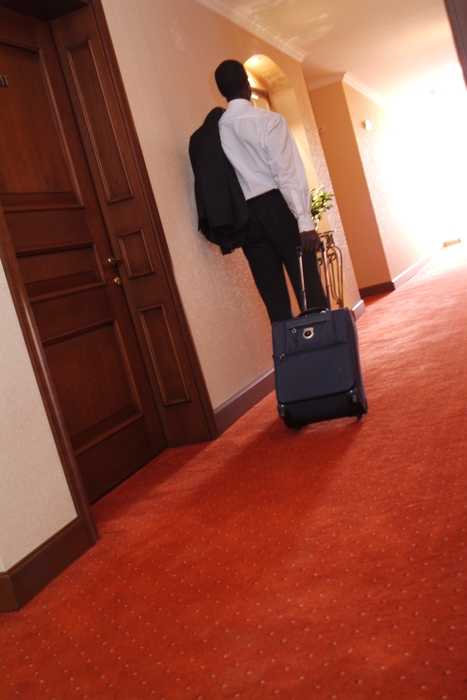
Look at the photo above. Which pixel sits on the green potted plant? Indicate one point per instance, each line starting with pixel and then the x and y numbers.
pixel 320 202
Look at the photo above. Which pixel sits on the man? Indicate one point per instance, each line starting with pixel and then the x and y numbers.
pixel 277 219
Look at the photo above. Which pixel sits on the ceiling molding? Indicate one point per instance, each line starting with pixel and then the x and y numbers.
pixel 352 82
pixel 329 80
pixel 241 19
pixel 365 90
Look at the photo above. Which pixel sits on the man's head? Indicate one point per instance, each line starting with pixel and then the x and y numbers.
pixel 232 80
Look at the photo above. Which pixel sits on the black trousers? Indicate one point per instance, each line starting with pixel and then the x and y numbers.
pixel 272 239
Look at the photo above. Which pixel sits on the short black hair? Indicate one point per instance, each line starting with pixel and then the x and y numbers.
pixel 231 78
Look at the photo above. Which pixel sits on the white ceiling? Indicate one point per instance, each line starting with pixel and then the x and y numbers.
pixel 392 47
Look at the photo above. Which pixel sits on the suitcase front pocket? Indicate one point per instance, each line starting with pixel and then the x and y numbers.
pixel 304 375
pixel 311 333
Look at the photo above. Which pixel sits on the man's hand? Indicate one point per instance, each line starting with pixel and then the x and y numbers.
pixel 310 240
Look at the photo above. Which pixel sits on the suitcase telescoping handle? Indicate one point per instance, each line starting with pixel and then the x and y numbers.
pixel 322 248
pixel 302 279
pixel 324 256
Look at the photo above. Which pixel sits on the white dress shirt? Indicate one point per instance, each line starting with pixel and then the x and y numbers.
pixel 263 153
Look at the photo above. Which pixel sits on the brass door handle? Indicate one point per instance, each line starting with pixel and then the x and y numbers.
pixel 118 280
pixel 114 261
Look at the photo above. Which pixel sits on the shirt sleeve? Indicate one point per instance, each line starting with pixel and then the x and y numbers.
pixel 288 171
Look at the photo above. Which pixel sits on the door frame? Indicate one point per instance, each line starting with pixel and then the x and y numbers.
pixel 457 13
pixel 19 585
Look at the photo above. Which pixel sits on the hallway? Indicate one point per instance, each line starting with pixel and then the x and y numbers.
pixel 271 563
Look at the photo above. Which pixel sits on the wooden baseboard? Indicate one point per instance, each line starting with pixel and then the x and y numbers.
pixel 7 595
pixel 28 577
pixel 358 310
pixel 410 272
pixel 233 409
pixel 375 289
pixel 397 282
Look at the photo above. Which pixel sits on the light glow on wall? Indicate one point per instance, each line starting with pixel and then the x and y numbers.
pixel 432 129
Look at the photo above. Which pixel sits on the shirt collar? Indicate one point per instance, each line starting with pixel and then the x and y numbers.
pixel 238 104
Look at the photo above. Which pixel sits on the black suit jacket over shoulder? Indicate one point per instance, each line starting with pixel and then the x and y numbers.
pixel 221 205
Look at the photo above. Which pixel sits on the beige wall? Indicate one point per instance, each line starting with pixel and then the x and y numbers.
pixel 350 184
pixel 167 52
pixel 400 198
pixel 380 183
pixel 35 502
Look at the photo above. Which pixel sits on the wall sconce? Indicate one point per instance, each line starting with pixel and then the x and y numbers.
pixel 367 125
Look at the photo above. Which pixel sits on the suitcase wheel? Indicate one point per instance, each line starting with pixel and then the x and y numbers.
pixel 284 414
pixel 293 426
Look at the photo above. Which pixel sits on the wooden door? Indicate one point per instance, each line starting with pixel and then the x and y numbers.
pixel 59 232
pixel 134 232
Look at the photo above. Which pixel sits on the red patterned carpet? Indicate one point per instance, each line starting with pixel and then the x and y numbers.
pixel 325 563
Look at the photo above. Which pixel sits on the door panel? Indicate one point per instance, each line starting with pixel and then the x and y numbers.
pixel 34 168
pixel 58 270
pixel 164 356
pixel 62 247
pixel 135 254
pixel 122 447
pixel 99 124
pixel 100 356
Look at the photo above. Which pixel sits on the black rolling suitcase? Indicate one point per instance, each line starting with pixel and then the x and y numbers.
pixel 317 366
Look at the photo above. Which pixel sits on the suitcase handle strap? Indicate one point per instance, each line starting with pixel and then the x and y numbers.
pixel 315 310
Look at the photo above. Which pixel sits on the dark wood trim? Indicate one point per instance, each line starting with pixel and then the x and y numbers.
pixel 8 600
pixel 44 381
pixel 457 13
pixel 359 309
pixel 233 409
pixel 44 9
pixel 375 289
pixel 114 69
pixel 27 578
